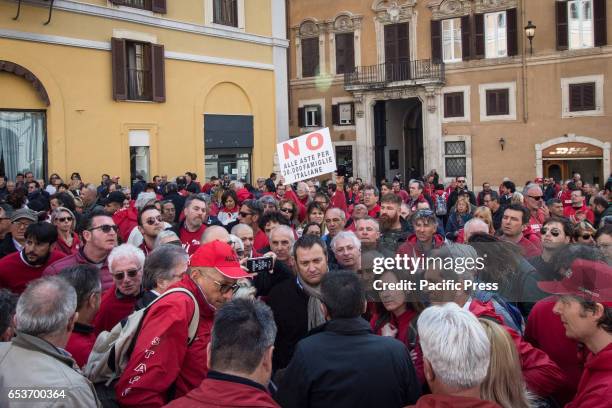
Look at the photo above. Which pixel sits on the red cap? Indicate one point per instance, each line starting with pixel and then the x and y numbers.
pixel 539 180
pixel 219 255
pixel 588 279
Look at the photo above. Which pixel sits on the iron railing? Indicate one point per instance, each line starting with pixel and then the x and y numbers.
pixel 382 74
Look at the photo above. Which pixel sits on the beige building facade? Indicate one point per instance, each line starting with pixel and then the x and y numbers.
pixel 407 86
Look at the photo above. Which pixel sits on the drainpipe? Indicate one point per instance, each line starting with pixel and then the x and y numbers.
pixel 524 79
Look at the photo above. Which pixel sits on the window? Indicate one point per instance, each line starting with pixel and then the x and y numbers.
pixel 225 12
pixel 582 97
pixel 138 71
pixel 455 159
pixel 312 116
pixel 344 160
pixel 22 136
pixel 157 6
pixel 310 57
pixel 580 24
pixel 451 40
pixel 343 114
pixel 496 43
pixel 453 105
pixel 497 102
pixel 345 53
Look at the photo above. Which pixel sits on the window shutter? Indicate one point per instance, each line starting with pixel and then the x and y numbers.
pixel 466 38
pixel 574 97
pixel 301 117
pixel 335 115
pixel 459 108
pixel 318 121
pixel 511 32
pixel 491 103
pixel 436 41
pixel 561 17
pixel 352 113
pixel 349 53
pixel 479 36
pixel 448 112
pixel 119 66
pixel 599 16
pixel 588 96
pixel 158 73
pixel 503 102
pixel 310 57
pixel 158 6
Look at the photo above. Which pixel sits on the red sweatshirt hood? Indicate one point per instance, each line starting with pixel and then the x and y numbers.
pixel 484 309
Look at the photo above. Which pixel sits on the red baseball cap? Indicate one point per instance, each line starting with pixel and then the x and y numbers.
pixel 589 280
pixel 221 256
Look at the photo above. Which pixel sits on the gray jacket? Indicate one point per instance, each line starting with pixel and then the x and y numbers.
pixel 31 363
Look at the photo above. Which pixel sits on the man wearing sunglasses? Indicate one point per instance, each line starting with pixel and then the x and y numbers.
pixel 578 211
pixel 99 237
pixel 14 240
pixel 535 204
pixel 162 358
pixel 462 188
pixel 150 224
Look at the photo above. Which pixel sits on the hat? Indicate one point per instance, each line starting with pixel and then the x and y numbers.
pixel 115 197
pixel 221 256
pixel 24 213
pixel 587 279
pixel 539 180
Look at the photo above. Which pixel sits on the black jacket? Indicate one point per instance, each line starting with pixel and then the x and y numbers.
pixel 7 246
pixel 290 306
pixel 265 281
pixel 343 364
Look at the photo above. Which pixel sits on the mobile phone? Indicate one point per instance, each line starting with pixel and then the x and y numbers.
pixel 264 263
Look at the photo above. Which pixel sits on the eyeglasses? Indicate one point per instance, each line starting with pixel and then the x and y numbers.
pixel 423 213
pixel 553 231
pixel 154 220
pixel 460 181
pixel 244 214
pixel 287 210
pixel 119 276
pixel 106 228
pixel 223 287
pixel 20 224
pixel 537 198
pixel 587 236
pixel 64 219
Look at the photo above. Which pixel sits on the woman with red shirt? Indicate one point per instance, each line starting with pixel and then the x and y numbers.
pixel 67 240
pixel 229 212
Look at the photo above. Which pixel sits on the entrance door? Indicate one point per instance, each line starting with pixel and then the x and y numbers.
pixel 556 170
pixel 397 52
pixel 380 140
pixel 413 141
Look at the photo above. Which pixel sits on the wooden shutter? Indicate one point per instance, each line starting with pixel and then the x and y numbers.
pixel 466 42
pixel 599 17
pixel 453 105
pixel 119 67
pixel 301 117
pixel 498 102
pixel 335 115
pixel 582 97
pixel 436 41
pixel 310 57
pixel 511 32
pixel 158 6
pixel 352 113
pixel 318 121
pixel 345 53
pixel 479 36
pixel 158 73
pixel 562 26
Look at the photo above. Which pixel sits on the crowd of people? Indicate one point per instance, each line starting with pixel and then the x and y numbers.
pixel 155 295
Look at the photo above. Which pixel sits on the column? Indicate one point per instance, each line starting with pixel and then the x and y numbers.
pixel 432 130
pixel 364 149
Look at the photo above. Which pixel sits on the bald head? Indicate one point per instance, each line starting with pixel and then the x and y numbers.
pixel 214 233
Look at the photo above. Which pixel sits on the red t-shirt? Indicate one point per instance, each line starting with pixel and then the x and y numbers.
pixel 191 240
pixel 81 343
pixel 571 211
pixel 113 310
pixel 260 241
pixel 15 273
pixel 374 212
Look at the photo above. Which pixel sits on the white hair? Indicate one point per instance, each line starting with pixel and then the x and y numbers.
pixel 373 221
pixel 236 243
pixel 286 230
pixel 126 251
pixel 238 185
pixel 46 306
pixel 465 364
pixel 473 226
pixel 143 199
pixel 92 188
pixel 238 228
pixel 345 235
pixel 341 213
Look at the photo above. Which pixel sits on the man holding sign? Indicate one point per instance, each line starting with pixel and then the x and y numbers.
pixel 307 156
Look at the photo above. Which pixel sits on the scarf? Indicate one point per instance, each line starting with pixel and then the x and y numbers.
pixel 315 314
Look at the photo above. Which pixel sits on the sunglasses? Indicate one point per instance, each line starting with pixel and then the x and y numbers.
pixel 586 237
pixel 537 198
pixel 119 276
pixel 460 181
pixel 153 220
pixel 287 210
pixel 106 228
pixel 244 214
pixel 64 219
pixel 554 232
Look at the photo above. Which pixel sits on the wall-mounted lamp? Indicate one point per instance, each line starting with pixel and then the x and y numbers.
pixel 530 33
pixel 502 143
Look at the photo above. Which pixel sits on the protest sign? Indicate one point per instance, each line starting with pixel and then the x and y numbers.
pixel 307 156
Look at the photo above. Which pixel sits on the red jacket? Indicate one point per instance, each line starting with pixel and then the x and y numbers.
pixel 571 211
pixel 595 387
pixel 161 357
pixel 63 247
pixel 79 259
pixel 338 200
pixel 566 198
pixel 410 247
pixel 243 195
pixel 529 247
pixel 15 273
pixel 81 342
pixel 113 309
pixel 542 376
pixel 374 212
pixel 448 401
pixel 290 195
pixel 222 390
pixel 126 219
pixel 260 241
pixel 545 331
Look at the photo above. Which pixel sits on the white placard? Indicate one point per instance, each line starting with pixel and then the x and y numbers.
pixel 307 156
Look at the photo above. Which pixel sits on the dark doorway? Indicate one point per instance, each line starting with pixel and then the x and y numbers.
pixel 413 141
pixel 380 140
pixel 397 52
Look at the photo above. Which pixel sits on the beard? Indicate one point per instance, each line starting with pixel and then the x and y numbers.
pixel 386 222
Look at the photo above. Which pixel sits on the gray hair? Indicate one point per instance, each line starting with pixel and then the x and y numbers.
pixel 374 221
pixel 160 263
pixel 341 213
pixel 45 307
pixel 236 243
pixel 286 230
pixel 91 187
pixel 268 200
pixel 214 232
pixel 143 199
pixel 475 225
pixel 126 251
pixel 58 212
pixel 238 185
pixel 243 331
pixel 529 187
pixel 163 235
pixel 238 228
pixel 345 235
pixel 465 364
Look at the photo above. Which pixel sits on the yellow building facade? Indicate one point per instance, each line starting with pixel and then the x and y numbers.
pixel 142 87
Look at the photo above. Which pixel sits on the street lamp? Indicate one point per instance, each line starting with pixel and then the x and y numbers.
pixel 530 33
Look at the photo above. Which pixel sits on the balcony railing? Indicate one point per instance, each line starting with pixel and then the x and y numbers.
pixel 382 75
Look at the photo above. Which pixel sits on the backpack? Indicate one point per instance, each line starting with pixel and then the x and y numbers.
pixel 518 323
pixel 440 205
pixel 112 350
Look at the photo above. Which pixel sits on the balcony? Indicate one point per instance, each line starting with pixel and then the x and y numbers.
pixel 394 75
